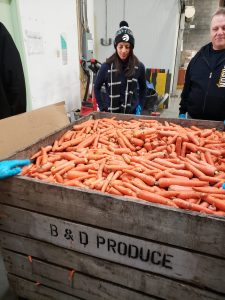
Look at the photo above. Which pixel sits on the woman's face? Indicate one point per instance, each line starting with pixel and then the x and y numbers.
pixel 123 50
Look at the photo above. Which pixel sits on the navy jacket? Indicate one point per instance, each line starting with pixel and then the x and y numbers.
pixel 12 83
pixel 103 80
pixel 203 95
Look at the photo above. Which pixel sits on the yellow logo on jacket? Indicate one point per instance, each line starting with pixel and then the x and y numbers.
pixel 222 78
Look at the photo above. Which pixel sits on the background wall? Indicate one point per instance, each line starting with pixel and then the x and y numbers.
pixel 195 38
pixel 49 32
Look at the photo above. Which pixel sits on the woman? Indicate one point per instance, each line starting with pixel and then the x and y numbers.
pixel 123 77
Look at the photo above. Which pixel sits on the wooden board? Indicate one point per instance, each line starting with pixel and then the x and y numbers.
pixel 134 252
pixel 59 278
pixel 29 290
pixel 134 279
pixel 156 222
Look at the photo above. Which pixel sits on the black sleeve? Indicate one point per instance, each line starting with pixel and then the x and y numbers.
pixel 101 80
pixel 12 73
pixel 185 91
pixel 142 84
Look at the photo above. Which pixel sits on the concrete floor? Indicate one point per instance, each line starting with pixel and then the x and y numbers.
pixel 5 292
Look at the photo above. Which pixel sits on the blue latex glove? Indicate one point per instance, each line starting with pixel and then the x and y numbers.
pixel 223 186
pixel 182 116
pixel 12 167
pixel 138 110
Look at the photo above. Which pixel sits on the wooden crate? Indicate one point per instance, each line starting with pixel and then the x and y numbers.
pixel 62 242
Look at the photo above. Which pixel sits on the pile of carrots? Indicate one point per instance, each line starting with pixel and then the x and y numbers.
pixel 144 159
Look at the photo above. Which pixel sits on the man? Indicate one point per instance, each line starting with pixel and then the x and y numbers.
pixel 12 83
pixel 203 95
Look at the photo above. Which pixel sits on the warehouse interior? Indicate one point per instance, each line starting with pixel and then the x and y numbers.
pixel 168 33
pixel 164 41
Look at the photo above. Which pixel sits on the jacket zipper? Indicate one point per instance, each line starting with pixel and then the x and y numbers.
pixel 206 94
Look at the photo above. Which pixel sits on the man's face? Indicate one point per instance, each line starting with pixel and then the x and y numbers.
pixel 217 32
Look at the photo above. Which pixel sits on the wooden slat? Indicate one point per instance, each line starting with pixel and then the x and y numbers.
pixel 162 259
pixel 160 223
pixel 56 277
pixel 29 290
pixel 131 278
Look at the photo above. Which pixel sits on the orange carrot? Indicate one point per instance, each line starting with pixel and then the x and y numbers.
pixel 208 158
pixel 114 191
pixel 106 182
pixel 137 142
pixel 122 151
pixel 166 182
pixel 142 185
pixel 125 140
pixel 193 138
pixel 131 186
pixel 180 188
pixel 188 195
pixel 194 170
pixel 146 178
pixel 83 125
pixel 169 164
pixel 184 173
pixel 45 167
pixel 75 174
pixel 59 178
pixel 209 189
pixel 125 190
pixel 191 206
pixel 152 197
pixel 218 203
pixel 87 142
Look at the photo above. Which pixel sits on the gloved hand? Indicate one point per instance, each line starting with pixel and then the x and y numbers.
pixel 12 167
pixel 182 116
pixel 138 110
pixel 223 186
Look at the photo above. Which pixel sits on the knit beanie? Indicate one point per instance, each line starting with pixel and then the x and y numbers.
pixel 124 34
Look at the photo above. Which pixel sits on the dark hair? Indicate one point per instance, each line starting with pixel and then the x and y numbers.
pixel 132 62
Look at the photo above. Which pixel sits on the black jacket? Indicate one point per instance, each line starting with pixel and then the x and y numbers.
pixel 203 95
pixel 103 79
pixel 12 83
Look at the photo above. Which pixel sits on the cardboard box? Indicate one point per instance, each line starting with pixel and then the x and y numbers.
pixel 22 130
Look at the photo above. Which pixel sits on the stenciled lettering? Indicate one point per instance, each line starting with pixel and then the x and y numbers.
pixel 111 245
pixel 54 230
pixel 100 241
pixel 155 257
pixel 135 252
pixel 83 238
pixel 122 248
pixel 68 234
pixel 166 262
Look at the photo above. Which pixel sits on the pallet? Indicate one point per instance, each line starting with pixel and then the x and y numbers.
pixel 68 243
